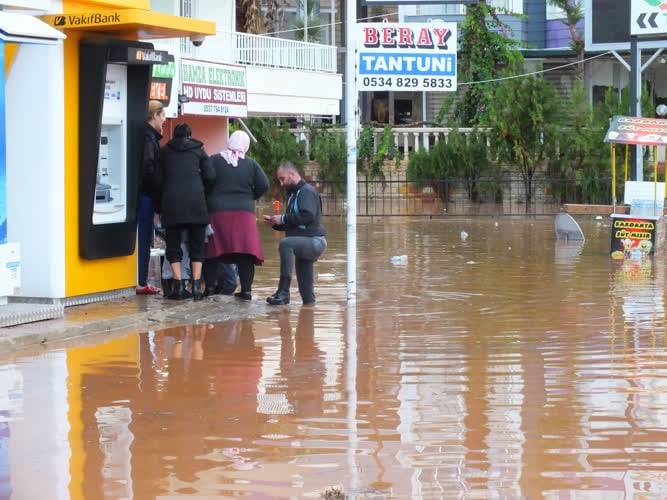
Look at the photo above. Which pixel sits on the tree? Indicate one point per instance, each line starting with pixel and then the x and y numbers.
pixel 461 156
pixel 581 156
pixel 485 49
pixel 329 150
pixel 310 14
pixel 574 15
pixel 251 20
pixel 253 16
pixel 275 143
pixel 372 154
pixel 270 18
pixel 525 120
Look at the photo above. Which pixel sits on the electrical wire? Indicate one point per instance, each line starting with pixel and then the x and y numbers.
pixel 533 73
pixel 494 80
pixel 327 25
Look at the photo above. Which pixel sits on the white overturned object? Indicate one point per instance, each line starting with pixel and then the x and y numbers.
pixel 567 228
pixel 399 259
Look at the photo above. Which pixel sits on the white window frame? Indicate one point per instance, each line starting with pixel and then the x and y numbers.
pixel 187 8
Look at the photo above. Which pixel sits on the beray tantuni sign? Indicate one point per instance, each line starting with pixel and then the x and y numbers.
pixel 406 56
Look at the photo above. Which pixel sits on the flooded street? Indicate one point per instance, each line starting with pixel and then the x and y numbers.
pixel 504 364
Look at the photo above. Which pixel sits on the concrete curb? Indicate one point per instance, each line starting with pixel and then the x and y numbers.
pixel 132 313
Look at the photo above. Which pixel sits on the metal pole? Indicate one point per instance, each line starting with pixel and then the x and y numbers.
pixel 636 102
pixel 305 20
pixel 352 129
pixel 333 23
pixel 351 389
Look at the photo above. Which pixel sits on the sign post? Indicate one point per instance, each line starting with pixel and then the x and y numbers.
pixel 352 133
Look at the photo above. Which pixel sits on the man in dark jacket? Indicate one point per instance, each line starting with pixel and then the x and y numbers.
pixel 149 201
pixel 184 175
pixel 304 240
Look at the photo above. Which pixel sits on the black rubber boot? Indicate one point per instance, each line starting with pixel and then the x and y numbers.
pixel 246 270
pixel 281 297
pixel 209 290
pixel 167 286
pixel 304 278
pixel 179 292
pixel 196 290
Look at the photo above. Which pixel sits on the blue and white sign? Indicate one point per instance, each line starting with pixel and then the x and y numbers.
pixel 406 56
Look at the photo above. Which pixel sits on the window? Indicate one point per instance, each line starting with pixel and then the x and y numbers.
pixel 441 10
pixel 186 10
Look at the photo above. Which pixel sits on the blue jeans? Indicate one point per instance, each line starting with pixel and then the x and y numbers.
pixel 145 233
pixel 221 276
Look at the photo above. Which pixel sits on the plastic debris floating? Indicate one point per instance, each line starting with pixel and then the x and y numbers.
pixel 399 259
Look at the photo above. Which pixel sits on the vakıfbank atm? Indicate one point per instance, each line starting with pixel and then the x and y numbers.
pixel 114 82
pixel 106 79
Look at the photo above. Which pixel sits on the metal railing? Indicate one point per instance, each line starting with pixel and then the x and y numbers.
pixel 406 139
pixel 267 51
pixel 278 52
pixel 396 195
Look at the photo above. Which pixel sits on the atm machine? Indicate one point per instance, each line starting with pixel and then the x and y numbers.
pixel 111 179
pixel 114 89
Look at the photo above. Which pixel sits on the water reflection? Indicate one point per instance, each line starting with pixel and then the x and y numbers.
pixel 503 365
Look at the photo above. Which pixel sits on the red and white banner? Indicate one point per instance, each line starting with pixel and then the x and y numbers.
pixel 213 89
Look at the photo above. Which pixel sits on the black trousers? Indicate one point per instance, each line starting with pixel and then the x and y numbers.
pixel 245 265
pixel 193 234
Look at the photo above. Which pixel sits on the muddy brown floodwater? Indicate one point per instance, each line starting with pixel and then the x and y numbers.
pixel 502 365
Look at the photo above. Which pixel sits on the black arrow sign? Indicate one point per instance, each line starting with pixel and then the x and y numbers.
pixel 651 20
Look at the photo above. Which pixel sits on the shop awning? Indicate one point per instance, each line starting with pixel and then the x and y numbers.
pixel 26 29
pixel 142 24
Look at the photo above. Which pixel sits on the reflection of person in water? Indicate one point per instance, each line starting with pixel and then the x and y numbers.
pixel 302 364
pixel 203 397
pixel 185 401
pixel 235 368
pixel 169 412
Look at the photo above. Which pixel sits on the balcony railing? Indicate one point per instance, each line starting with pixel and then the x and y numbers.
pixel 261 50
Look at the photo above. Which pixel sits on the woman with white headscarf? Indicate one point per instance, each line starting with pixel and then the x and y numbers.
pixel 240 182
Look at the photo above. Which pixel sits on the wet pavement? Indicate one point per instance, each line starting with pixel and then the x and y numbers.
pixel 493 362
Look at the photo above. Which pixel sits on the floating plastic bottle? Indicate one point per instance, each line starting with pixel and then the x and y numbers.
pixel 399 259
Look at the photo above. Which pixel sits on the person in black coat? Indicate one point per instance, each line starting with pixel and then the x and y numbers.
pixel 185 173
pixel 149 197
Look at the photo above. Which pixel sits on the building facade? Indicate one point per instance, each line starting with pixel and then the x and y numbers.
pixel 545 37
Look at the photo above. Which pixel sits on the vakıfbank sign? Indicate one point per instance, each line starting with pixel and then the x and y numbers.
pixel 213 89
pixel 87 19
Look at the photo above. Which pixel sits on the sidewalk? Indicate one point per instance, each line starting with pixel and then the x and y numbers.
pixel 136 312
